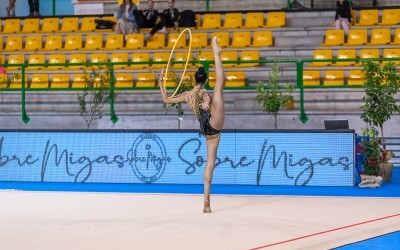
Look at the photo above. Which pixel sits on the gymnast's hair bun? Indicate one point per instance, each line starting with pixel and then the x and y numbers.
pixel 201 75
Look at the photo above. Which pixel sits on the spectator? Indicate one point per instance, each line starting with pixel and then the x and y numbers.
pixel 169 18
pixel 11 8
pixel 148 17
pixel 343 16
pixel 33 8
pixel 126 18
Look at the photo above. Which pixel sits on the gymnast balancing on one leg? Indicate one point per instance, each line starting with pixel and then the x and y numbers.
pixel 209 110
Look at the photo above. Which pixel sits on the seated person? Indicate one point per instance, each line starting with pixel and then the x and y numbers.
pixel 169 18
pixel 148 18
pixel 126 18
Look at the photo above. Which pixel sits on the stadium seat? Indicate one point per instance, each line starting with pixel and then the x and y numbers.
pixel 1 44
pixel 16 83
pixel 142 60
pixel 15 59
pixel 223 38
pixel 205 56
pixel 70 24
pixel 254 20
pixel 368 18
pixel 123 80
pixel 262 38
pixel 390 17
pixel 73 42
pixel 157 41
pixel 380 37
pixel 114 42
pixel 229 56
pixel 31 25
pixel 171 80
pixel 60 81
pixel 99 58
pixel 53 43
pixel 334 78
pixel 33 43
pixel 172 39
pixel 78 81
pixel 39 81
pixel 241 39
pixel 13 43
pixel 56 59
pixel 119 58
pixel 134 41
pixel 112 19
pixel 357 37
pixel 145 80
pixel 36 59
pixel 160 57
pixel 12 26
pixel 2 59
pixel 396 39
pixel 3 79
pixel 88 25
pixel 311 78
pixel 93 42
pixel 235 79
pixel 346 54
pixel 334 38
pixel 356 77
pixel 369 53
pixel 392 53
pixel 249 55
pixel 199 40
pixel 77 58
pixel 276 19
pixel 233 21
pixel 50 24
pixel 182 58
pixel 321 55
pixel 211 21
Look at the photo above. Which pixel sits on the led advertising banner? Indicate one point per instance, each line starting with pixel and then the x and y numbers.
pixel 179 157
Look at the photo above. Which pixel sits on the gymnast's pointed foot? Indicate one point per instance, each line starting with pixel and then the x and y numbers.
pixel 216 48
pixel 206 208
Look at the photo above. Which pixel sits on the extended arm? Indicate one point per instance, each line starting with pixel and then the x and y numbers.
pixel 165 98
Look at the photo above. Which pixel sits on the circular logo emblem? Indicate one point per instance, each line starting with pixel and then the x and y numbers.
pixel 148 157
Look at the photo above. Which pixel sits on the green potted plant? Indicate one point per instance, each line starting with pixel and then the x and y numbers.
pixel 274 96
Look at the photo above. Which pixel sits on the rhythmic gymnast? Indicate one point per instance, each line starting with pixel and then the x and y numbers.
pixel 209 110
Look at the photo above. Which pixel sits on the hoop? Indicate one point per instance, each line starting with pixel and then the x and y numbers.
pixel 186 64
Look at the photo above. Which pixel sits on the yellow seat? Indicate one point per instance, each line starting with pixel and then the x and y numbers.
pixel 50 24
pixel 357 37
pixel 334 38
pixel 254 20
pixel 211 21
pixel 123 80
pixel 346 54
pixel 262 39
pixel 88 24
pixel 98 58
pixel 13 43
pixel 233 21
pixel 223 38
pixel 70 24
pixel 2 59
pixel 235 79
pixel 390 17
pixel 241 39
pixel 157 41
pixel 53 43
pixel 396 40
pixel 205 56
pixel 12 26
pixel 392 53
pixel 145 80
pixel 77 58
pixel 36 59
pixel 114 42
pixel 171 80
pixel 1 43
pixel 119 58
pixel 334 78
pixel 3 79
pixel 380 37
pixel 110 18
pixel 31 25
pixel 60 81
pixel 16 82
pixel 33 43
pixel 369 53
pixel 249 55
pixel 39 81
pixel 199 40
pixel 141 60
pixel 15 59
pixel 79 81
pixel 160 57
pixel 73 42
pixel 321 55
pixel 134 41
pixel 181 58
pixel 311 78
pixel 229 56
pixel 56 59
pixel 93 42
pixel 276 19
pixel 172 39
pixel 356 77
pixel 368 18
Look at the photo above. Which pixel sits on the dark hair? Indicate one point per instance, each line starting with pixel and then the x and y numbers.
pixel 201 75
